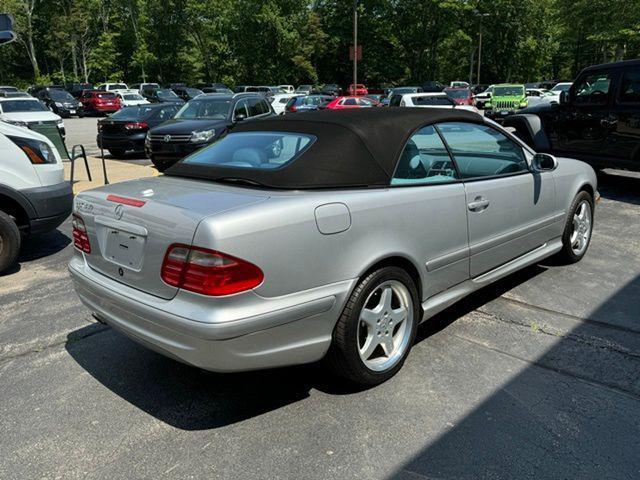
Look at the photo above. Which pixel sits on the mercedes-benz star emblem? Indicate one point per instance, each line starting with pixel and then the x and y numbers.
pixel 167 138
pixel 119 211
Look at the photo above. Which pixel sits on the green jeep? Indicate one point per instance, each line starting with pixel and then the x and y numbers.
pixel 505 100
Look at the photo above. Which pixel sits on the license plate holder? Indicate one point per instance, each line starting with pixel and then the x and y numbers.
pixel 124 248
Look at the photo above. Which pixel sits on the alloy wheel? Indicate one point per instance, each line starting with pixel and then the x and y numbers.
pixel 385 325
pixel 581 231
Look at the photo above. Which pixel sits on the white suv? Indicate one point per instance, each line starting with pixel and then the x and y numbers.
pixel 28 111
pixel 34 197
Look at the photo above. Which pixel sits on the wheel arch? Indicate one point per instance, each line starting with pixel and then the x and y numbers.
pixel 400 261
pixel 16 206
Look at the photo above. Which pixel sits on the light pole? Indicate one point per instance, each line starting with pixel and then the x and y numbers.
pixel 355 45
pixel 479 15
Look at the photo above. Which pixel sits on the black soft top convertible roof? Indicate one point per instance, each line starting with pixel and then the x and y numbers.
pixel 354 147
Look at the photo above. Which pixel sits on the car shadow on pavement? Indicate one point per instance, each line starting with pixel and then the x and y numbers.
pixel 39 246
pixel 572 412
pixel 192 399
pixel 623 187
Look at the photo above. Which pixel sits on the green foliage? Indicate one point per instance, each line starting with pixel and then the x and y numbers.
pixel 305 41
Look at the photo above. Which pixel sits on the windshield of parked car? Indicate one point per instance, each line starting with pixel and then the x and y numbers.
pixel 432 101
pixel 252 150
pixel 9 106
pixel 132 96
pixel 458 93
pixel 132 113
pixel 209 109
pixel 167 95
pixel 117 86
pixel 61 96
pixel 509 91
pixel 561 87
pixel 105 95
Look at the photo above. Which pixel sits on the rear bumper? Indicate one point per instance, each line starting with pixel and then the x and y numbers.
pixel 128 142
pixel 52 205
pixel 289 330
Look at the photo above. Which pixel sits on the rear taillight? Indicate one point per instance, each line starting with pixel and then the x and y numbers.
pixel 80 237
pixel 208 272
pixel 136 126
pixel 292 109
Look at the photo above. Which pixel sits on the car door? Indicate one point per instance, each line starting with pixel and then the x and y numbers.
pixel 510 210
pixel 430 204
pixel 582 127
pixel 624 120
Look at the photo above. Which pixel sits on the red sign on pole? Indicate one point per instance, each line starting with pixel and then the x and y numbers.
pixel 358 51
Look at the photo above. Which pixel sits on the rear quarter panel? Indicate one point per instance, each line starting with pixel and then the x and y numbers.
pixel 281 236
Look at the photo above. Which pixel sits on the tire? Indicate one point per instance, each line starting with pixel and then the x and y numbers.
pixel 117 152
pixel 9 241
pixel 353 337
pixel 570 252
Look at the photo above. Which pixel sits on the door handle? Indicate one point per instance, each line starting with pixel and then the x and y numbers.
pixel 478 204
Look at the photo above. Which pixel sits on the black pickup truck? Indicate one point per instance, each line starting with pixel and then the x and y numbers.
pixel 597 120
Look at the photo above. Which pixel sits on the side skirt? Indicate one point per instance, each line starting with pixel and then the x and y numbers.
pixel 442 300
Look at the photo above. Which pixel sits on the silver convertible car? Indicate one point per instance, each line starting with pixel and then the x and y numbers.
pixel 328 235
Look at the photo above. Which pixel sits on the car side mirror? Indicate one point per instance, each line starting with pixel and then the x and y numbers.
pixel 7 34
pixel 239 117
pixel 543 162
pixel 564 97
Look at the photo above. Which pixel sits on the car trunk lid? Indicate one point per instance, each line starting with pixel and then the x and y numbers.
pixel 130 225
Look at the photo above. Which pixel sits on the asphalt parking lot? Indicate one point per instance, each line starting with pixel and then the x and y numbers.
pixel 537 376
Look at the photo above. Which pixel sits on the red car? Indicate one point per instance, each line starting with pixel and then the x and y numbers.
pixel 340 103
pixel 460 95
pixel 99 101
pixel 359 90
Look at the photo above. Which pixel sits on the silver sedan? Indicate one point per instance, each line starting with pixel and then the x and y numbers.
pixel 327 235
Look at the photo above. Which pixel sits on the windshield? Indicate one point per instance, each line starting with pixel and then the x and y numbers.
pixel 167 95
pixel 432 101
pixel 61 96
pixel 22 106
pixel 311 100
pixel 132 96
pixel 463 93
pixel 117 86
pixel 252 150
pixel 509 91
pixel 561 88
pixel 132 113
pixel 210 109
pixel 8 89
pixel 105 95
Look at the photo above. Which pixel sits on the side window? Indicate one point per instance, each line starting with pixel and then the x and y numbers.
pixel 264 106
pixel 254 107
pixel 424 160
pixel 241 109
pixel 592 89
pixel 482 151
pixel 395 100
pixel 349 101
pixel 630 86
